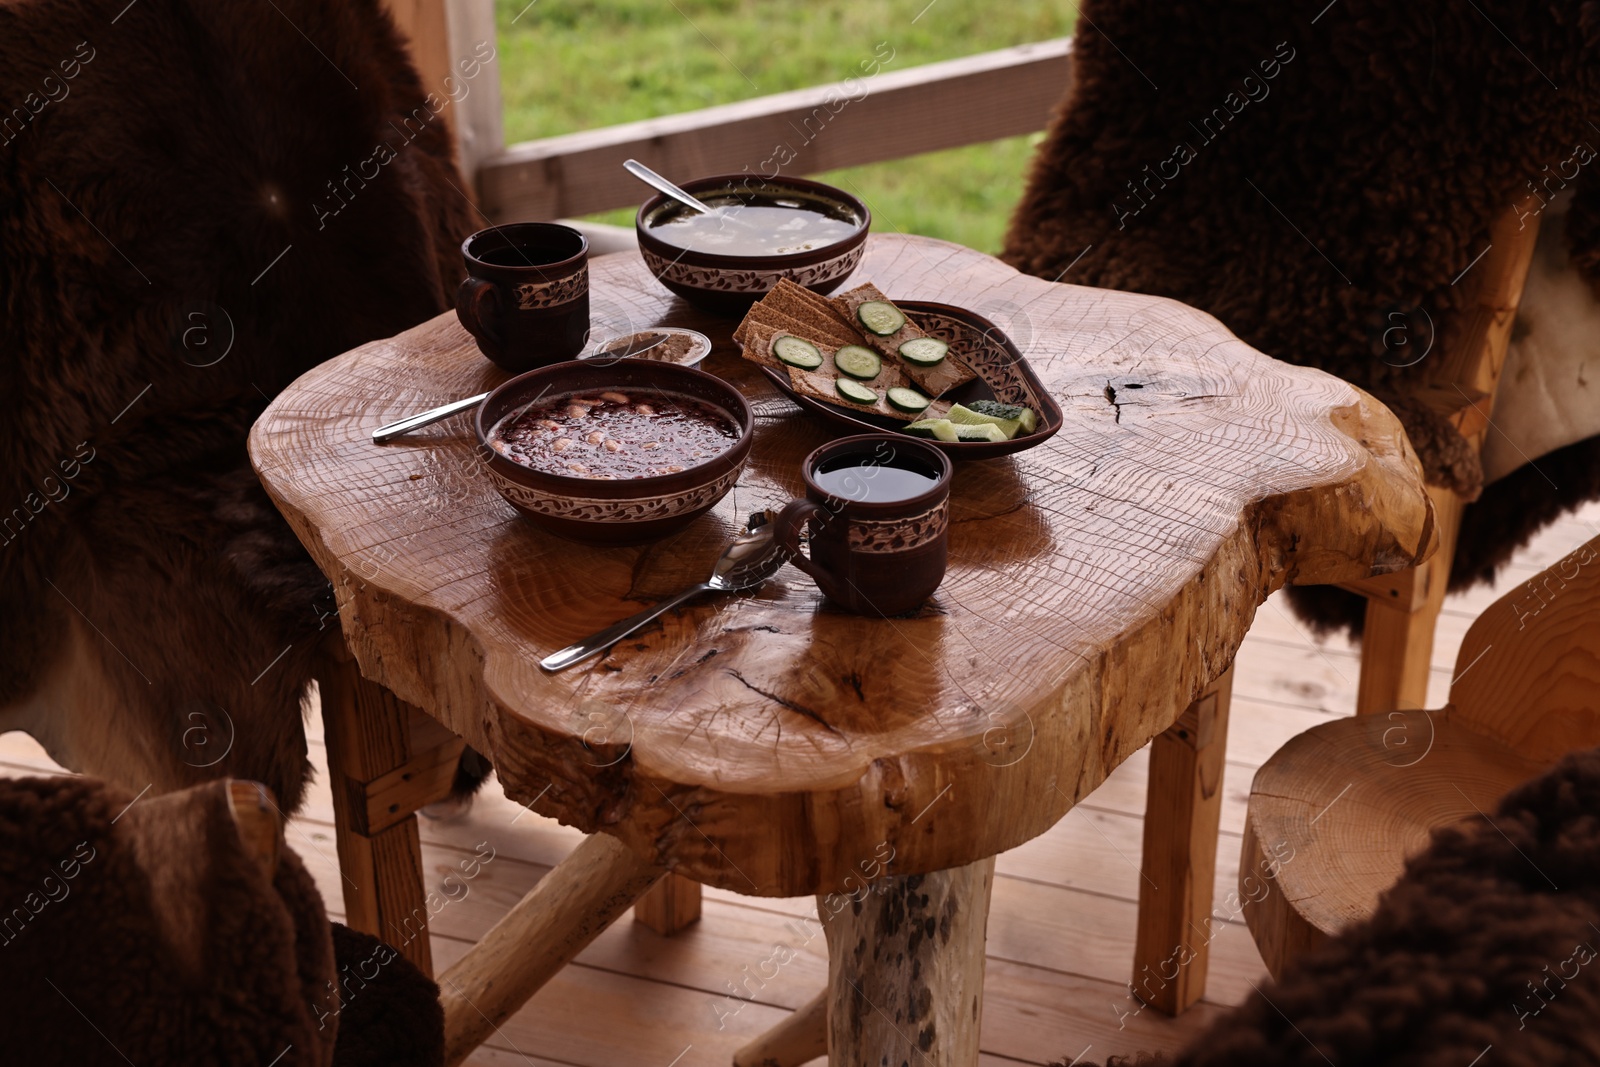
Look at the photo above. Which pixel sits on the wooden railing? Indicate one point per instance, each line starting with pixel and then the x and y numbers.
pixel 893 112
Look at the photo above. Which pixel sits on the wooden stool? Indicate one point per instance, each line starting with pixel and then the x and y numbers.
pixel 1335 812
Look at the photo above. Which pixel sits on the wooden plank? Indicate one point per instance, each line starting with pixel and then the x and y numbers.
pixel 564 911
pixel 888 115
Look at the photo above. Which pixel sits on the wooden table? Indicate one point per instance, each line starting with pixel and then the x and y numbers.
pixel 770 745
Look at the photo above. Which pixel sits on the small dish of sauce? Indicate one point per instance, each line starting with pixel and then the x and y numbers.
pixel 614 434
pixel 756 225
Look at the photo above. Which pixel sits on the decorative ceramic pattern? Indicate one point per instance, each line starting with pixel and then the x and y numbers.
pixel 983 352
pixel 643 509
pixel 724 280
pixel 532 295
pixel 898 535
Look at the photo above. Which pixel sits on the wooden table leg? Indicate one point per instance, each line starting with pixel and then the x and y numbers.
pixel 1183 811
pixel 672 904
pixel 368 734
pixel 800 1038
pixel 567 909
pixel 905 969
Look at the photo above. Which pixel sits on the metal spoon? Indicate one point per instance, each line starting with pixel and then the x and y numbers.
pixel 660 184
pixel 427 418
pixel 752 558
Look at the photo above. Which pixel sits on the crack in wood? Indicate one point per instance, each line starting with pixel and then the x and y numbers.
pixel 798 709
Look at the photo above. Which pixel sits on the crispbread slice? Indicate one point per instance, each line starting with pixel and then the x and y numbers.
pixel 797 300
pixel 934 381
pixel 810 328
pixel 821 384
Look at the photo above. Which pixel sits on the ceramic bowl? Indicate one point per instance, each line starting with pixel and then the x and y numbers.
pixel 626 511
pixel 729 284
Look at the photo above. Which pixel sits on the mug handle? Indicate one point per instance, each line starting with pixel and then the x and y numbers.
pixel 796 514
pixel 476 302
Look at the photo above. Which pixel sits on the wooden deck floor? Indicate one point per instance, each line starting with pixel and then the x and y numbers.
pixel 1060 931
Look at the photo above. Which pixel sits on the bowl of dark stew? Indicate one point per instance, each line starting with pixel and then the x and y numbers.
pixel 759 230
pixel 615 453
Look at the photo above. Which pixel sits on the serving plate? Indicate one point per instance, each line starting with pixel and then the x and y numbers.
pixel 1003 375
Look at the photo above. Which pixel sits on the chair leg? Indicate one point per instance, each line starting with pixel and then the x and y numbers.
pixel 672 904
pixel 1402 613
pixel 800 1038
pixel 368 734
pixel 1183 811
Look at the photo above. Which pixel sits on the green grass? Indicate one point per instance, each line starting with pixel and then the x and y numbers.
pixel 578 64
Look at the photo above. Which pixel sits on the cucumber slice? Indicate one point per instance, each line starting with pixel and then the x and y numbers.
pixel 924 351
pixel 858 362
pixel 987 432
pixel 797 352
pixel 938 429
pixel 1027 418
pixel 907 399
pixel 972 417
pixel 881 317
pixel 855 392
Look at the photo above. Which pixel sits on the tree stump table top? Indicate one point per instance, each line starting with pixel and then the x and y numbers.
pixel 770 744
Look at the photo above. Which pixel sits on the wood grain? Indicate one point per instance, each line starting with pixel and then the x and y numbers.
pixel 1350 800
pixel 768 744
pixel 1182 816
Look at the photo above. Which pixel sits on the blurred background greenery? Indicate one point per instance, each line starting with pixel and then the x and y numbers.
pixel 571 65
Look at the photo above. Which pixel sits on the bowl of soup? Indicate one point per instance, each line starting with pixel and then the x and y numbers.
pixel 617 452
pixel 759 230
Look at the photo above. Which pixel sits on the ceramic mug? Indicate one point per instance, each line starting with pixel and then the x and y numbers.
pixel 878 510
pixel 526 295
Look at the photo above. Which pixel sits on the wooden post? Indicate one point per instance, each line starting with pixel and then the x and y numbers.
pixel 449 41
pixel 672 904
pixel 567 909
pixel 905 969
pixel 1402 613
pixel 800 1038
pixel 368 734
pixel 1183 811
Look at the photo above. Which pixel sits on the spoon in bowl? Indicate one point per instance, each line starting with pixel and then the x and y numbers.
pixel 401 427
pixel 752 558
pixel 661 185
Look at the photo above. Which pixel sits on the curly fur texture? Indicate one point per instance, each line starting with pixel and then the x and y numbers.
pixel 170 258
pixel 1490 937
pixel 389 1015
pixel 1315 184
pixel 153 922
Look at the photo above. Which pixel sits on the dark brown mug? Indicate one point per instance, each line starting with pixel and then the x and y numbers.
pixel 878 510
pixel 526 295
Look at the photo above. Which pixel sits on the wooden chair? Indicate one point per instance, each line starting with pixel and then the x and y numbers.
pixel 1184 801
pixel 1335 812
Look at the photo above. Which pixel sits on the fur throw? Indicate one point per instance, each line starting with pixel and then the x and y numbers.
pixel 140 930
pixel 1320 179
pixel 1490 937
pixel 198 202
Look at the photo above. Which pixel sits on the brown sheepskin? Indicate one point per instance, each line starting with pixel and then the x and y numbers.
pixel 1490 937
pixel 389 1012
pixel 1322 178
pixel 193 211
pixel 146 933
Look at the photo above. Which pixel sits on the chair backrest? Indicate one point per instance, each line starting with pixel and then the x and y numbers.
pixel 1528 673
